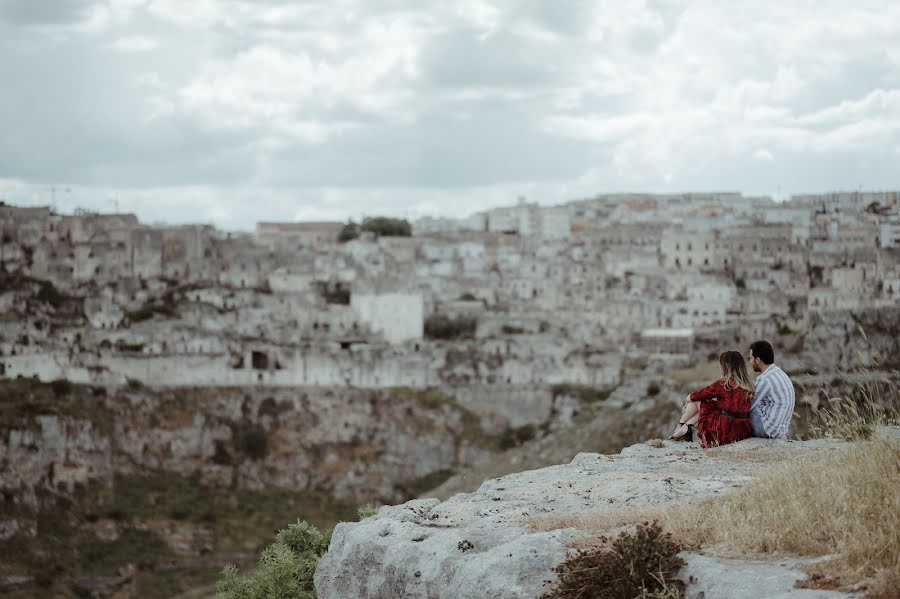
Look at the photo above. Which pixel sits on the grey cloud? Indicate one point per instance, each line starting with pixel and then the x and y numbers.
pixel 43 12
pixel 569 19
pixel 854 79
pixel 460 59
pixel 75 114
pixel 499 142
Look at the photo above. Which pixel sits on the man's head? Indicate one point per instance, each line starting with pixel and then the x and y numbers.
pixel 761 355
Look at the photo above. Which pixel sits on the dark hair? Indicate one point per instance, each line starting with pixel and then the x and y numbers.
pixel 763 350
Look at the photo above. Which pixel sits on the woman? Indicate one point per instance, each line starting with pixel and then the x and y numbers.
pixel 721 411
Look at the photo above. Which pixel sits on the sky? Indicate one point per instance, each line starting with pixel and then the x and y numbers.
pixel 234 111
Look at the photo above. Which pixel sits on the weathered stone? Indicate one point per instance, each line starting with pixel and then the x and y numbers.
pixel 477 545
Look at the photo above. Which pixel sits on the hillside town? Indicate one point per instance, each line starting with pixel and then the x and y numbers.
pixel 510 298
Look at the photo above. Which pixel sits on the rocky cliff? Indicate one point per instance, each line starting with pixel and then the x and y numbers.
pixel 480 544
pixel 94 480
pixel 355 445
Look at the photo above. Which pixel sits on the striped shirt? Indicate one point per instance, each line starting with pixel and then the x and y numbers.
pixel 773 404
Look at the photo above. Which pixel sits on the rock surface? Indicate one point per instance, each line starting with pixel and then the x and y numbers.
pixel 475 544
pixel 355 445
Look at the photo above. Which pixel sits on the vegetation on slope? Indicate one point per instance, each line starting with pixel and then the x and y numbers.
pixel 67 551
pixel 286 567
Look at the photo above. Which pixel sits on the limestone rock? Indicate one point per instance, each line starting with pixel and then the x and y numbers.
pixel 476 545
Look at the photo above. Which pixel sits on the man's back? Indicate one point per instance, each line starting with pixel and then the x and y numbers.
pixel 773 404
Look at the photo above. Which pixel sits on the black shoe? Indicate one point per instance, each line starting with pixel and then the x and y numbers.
pixel 688 436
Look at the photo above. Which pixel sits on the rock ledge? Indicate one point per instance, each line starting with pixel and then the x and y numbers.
pixel 474 545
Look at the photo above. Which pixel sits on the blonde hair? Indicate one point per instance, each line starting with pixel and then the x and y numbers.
pixel 734 369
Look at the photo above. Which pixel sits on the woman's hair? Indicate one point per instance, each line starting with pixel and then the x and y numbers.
pixel 734 369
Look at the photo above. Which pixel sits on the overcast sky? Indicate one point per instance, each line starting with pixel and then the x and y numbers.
pixel 233 111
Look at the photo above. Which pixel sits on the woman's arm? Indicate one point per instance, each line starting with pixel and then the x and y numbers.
pixel 710 392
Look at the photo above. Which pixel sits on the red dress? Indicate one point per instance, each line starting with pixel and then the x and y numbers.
pixel 715 427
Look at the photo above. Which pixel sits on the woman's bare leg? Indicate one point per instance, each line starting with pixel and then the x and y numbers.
pixel 690 414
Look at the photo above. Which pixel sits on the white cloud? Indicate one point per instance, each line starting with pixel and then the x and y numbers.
pixel 135 43
pixel 763 154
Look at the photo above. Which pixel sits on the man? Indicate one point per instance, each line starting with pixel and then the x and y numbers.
pixel 773 403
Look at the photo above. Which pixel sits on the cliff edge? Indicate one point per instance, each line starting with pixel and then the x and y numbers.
pixel 484 544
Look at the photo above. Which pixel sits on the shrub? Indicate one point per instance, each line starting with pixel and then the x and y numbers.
pixel 387 227
pixel 61 387
pixel 653 389
pixel 585 393
pixel 515 436
pixel 637 564
pixel 254 442
pixel 48 294
pixel 286 567
pixel 366 511
pixel 439 326
pixel 467 297
pixel 134 384
pixel 511 330
pixel 349 232
pixel 335 294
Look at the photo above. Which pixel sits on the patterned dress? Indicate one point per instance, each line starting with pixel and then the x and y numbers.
pixel 714 426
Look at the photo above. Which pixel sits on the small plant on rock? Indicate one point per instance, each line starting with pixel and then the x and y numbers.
pixel 636 565
pixel 286 567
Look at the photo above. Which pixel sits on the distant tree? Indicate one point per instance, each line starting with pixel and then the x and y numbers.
pixel 349 232
pixel 440 326
pixel 387 227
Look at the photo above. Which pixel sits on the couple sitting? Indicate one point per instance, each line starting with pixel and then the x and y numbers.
pixel 732 408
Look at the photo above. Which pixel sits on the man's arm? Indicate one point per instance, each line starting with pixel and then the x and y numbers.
pixel 761 393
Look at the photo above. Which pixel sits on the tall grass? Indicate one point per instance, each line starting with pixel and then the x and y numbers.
pixel 854 405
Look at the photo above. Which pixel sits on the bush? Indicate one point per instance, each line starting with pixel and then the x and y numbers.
pixel 49 294
pixel 653 389
pixel 254 442
pixel 366 511
pixel 134 384
pixel 349 232
pixel 387 227
pixel 638 564
pixel 439 326
pixel 61 387
pixel 335 294
pixel 585 393
pixel 513 437
pixel 467 297
pixel 286 567
pixel 511 330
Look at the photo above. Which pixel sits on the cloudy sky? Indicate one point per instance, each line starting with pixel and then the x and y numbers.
pixel 233 111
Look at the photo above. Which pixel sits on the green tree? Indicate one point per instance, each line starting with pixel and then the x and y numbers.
pixel 349 232
pixel 387 227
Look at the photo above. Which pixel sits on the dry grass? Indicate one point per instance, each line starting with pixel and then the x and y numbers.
pixel 844 503
pixel 854 413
